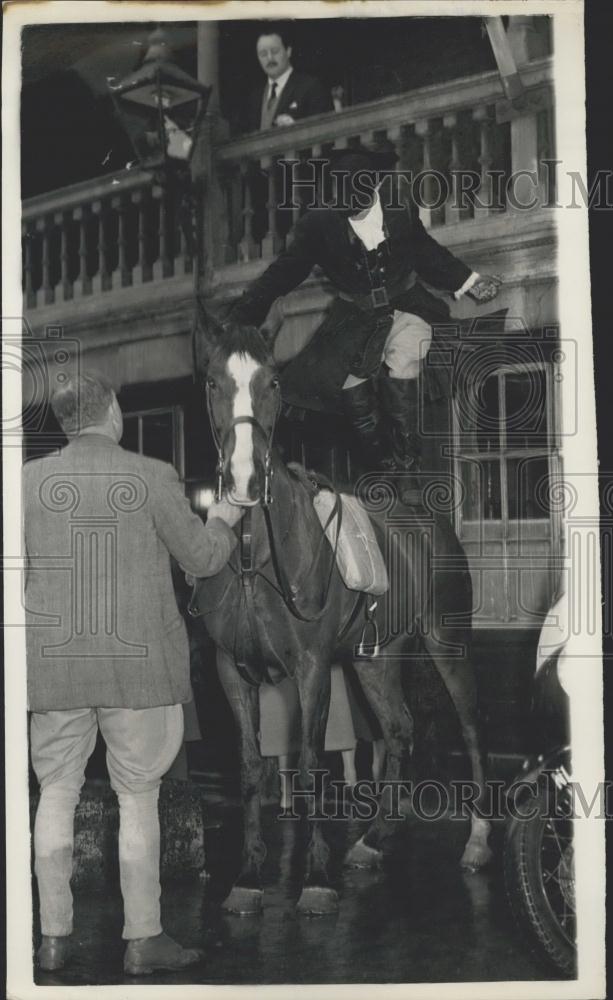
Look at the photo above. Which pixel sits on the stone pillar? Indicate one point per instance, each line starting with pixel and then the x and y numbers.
pixel 208 60
pixel 211 223
pixel 526 43
pixel 525 39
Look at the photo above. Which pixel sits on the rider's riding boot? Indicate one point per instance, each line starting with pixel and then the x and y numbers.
pixel 361 406
pixel 400 404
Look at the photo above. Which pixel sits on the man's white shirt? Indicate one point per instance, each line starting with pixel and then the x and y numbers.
pixel 369 229
pixel 280 82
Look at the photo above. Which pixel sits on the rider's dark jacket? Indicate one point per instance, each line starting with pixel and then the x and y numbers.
pixel 371 285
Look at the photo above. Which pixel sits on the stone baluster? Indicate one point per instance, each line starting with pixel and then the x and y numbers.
pixel 424 191
pixel 233 190
pixel 317 153
pixel 163 265
pixel 484 195
pixel 338 185
pixel 43 227
pixel 271 241
pixel 83 284
pixel 246 246
pixel 546 151
pixel 102 279
pixel 288 193
pixel 62 221
pixel 383 139
pixel 523 192
pixel 120 206
pixel 29 238
pixel 453 210
pixel 143 270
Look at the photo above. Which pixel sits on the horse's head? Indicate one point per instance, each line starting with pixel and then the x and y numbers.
pixel 235 367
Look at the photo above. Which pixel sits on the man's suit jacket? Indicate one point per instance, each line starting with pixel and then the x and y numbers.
pixel 103 627
pixel 301 97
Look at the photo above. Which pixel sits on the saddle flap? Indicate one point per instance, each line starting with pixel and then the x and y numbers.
pixel 358 555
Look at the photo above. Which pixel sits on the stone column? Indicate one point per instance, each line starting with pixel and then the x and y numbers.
pixel 526 41
pixel 213 129
pixel 208 60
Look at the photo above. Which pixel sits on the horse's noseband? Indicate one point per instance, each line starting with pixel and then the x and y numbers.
pixel 220 443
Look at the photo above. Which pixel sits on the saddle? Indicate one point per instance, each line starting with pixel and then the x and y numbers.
pixel 358 555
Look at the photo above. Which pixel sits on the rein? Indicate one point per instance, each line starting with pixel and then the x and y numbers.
pixel 286 591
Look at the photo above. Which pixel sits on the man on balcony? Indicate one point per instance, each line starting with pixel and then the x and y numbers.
pixel 373 250
pixel 286 95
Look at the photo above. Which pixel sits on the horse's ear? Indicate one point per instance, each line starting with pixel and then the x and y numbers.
pixel 206 334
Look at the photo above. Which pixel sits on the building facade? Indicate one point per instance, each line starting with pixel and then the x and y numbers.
pixel 109 279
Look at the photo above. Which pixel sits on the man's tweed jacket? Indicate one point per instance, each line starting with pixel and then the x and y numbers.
pixel 103 627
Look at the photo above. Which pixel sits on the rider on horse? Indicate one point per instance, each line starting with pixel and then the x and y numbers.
pixel 381 321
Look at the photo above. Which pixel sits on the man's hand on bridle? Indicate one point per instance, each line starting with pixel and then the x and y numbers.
pixel 228 512
pixel 485 288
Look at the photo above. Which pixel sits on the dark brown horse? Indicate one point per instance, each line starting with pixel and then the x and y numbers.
pixel 281 608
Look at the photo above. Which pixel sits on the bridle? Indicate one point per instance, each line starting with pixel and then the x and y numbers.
pixel 220 443
pixel 247 570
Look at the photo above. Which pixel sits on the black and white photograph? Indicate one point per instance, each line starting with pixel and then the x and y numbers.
pixel 302 558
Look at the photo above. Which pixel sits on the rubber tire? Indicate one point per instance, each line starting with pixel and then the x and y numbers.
pixel 524 888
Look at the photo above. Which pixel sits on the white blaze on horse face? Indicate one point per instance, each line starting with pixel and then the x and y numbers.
pixel 242 369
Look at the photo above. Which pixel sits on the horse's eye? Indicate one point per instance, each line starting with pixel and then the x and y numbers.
pixel 275 382
pixel 212 384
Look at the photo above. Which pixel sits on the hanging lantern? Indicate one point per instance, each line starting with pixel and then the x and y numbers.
pixel 160 106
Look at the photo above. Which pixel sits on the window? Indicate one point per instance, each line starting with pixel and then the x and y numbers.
pixel 157 433
pixel 506 458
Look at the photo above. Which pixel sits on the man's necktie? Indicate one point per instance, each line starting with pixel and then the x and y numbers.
pixel 273 95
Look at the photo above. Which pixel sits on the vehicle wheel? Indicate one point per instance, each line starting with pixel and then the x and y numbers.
pixel 540 881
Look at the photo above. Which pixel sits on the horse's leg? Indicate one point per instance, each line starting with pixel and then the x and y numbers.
pixel 459 677
pixel 285 762
pixel 382 685
pixel 313 679
pixel 378 759
pixel 246 893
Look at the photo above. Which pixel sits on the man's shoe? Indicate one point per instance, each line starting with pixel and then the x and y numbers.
pixel 53 952
pixel 144 955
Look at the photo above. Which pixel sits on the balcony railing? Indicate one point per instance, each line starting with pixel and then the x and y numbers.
pixel 121 230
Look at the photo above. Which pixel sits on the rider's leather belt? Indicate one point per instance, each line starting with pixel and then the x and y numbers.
pixel 373 301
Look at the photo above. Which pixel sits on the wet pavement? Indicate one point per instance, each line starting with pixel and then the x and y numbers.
pixel 417 919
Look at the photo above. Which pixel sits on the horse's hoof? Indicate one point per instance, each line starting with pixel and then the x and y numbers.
pixel 363 856
pixel 243 901
pixel 475 857
pixel 316 900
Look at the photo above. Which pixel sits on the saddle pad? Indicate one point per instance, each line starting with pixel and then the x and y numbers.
pixel 358 555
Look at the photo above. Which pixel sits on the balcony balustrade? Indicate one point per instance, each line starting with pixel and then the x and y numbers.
pixel 84 241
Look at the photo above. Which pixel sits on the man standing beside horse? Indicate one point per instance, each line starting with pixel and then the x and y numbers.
pixel 374 254
pixel 107 649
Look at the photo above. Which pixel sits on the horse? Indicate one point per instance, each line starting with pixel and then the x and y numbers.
pixel 280 607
